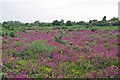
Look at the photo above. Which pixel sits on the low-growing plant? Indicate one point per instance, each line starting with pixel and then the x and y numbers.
pixel 76 48
pixel 58 38
pixel 12 34
pixel 40 46
pixel 63 42
pixel 87 43
pixel 71 43
pixel 18 44
pixel 8 65
pixel 22 63
pixel 64 27
pixel 70 29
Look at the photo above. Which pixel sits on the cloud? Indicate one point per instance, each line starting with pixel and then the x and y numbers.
pixel 48 10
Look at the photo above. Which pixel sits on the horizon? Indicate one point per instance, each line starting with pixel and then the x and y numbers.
pixel 56 19
pixel 50 10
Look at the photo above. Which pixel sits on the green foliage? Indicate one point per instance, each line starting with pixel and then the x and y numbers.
pixel 81 23
pixel 76 48
pixel 47 70
pixel 39 46
pixel 43 70
pixel 58 23
pixel 87 43
pixel 18 44
pixel 62 22
pixel 10 24
pixel 94 29
pixel 64 27
pixel 8 65
pixel 37 23
pixel 22 63
pixel 1 75
pixel 17 26
pixel 57 38
pixel 39 74
pixel 104 18
pixel 35 48
pixel 4 42
pixel 71 43
pixel 70 29
pixel 63 42
pixel 103 63
pixel 77 64
pixel 114 21
pixel 5 24
pixel 93 22
pixel 12 34
pixel 69 23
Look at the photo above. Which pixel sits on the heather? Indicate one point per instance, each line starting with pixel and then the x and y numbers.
pixel 61 52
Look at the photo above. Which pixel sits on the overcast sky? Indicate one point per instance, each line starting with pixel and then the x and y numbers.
pixel 49 10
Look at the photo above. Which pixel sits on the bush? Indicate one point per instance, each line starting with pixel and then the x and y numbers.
pixel 12 34
pixel 63 42
pixel 36 47
pixel 57 38
pixel 69 23
pixel 64 27
pixel 70 29
pixel 71 43
pixel 40 46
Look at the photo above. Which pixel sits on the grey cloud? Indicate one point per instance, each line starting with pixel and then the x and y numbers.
pixel 48 10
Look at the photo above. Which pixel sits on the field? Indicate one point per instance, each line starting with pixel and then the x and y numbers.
pixel 67 52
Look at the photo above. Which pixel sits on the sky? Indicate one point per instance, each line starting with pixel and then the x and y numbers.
pixel 49 10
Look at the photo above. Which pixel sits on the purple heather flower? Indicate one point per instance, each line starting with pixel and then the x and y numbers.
pixel 51 64
pixel 20 48
pixel 24 72
pixel 21 76
pixel 91 56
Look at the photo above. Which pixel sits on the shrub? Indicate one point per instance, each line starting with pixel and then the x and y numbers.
pixel 57 38
pixel 69 23
pixel 12 34
pixel 71 43
pixel 70 29
pixel 36 47
pixel 76 48
pixel 40 46
pixel 64 27
pixel 94 29
pixel 63 42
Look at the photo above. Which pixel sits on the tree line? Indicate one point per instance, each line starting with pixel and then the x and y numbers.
pixel 112 22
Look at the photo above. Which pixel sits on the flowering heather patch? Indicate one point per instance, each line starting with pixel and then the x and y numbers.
pixel 61 54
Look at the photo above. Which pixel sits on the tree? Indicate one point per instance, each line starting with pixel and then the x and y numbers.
pixel 0 24
pixel 114 21
pixel 69 23
pixel 94 22
pixel 56 22
pixel 47 24
pixel 37 23
pixel 104 18
pixel 5 25
pixel 28 24
pixel 103 22
pixel 11 24
pixel 62 22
